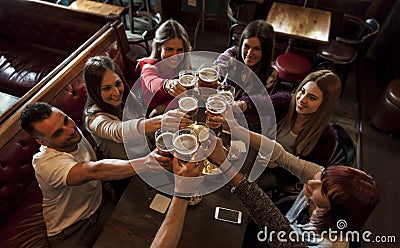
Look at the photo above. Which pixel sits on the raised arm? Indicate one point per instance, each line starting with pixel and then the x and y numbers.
pixel 304 170
pixel 114 169
pixel 260 207
pixel 171 229
pixel 152 85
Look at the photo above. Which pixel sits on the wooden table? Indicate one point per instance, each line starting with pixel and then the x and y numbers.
pixel 300 22
pixel 134 224
pixel 6 102
pixel 97 8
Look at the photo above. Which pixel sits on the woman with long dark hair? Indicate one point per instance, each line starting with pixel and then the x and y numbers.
pixel 108 94
pixel 255 50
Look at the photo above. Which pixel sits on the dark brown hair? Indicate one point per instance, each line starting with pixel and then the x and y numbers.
pixel 93 73
pixel 265 33
pixel 32 114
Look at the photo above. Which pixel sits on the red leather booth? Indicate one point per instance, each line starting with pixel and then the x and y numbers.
pixel 21 220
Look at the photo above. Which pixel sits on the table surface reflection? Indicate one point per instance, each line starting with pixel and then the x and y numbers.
pixel 134 224
pixel 300 22
pixel 6 102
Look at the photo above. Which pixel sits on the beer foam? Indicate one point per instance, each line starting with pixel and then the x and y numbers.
pixel 187 80
pixel 185 144
pixel 187 104
pixel 227 95
pixel 208 75
pixel 164 142
pixel 216 106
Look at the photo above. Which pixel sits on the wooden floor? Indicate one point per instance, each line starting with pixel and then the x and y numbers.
pixel 380 156
pixel 378 153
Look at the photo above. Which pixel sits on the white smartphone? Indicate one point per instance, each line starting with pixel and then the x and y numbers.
pixel 229 215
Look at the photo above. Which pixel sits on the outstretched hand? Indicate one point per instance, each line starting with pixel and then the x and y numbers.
pixel 155 161
pixel 174 120
pixel 174 88
pixel 188 177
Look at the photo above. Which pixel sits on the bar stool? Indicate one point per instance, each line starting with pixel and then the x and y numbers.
pixel 292 68
pixel 387 115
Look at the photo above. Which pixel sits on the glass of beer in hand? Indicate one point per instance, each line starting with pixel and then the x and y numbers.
pixel 187 79
pixel 228 92
pixel 185 143
pixel 208 77
pixel 164 143
pixel 215 106
pixel 189 105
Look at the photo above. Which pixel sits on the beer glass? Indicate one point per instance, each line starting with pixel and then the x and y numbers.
pixel 208 77
pixel 187 79
pixel 185 143
pixel 215 106
pixel 164 143
pixel 202 132
pixel 227 91
pixel 189 105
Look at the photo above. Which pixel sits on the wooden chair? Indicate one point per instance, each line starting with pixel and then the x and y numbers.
pixel 342 52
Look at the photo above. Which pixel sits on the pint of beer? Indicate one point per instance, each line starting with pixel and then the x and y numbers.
pixel 185 143
pixel 227 92
pixel 164 143
pixel 215 106
pixel 187 79
pixel 208 77
pixel 189 105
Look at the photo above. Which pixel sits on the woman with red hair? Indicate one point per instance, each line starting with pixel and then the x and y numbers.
pixel 334 201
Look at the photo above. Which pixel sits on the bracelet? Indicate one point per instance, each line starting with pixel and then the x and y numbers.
pixel 186 197
pixel 164 86
pixel 233 189
pixel 183 198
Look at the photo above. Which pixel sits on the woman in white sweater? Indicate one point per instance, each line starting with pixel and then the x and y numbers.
pixel 108 94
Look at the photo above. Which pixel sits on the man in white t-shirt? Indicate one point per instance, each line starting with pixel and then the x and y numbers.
pixel 70 177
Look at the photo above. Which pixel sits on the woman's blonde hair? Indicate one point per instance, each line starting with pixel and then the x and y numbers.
pixel 330 85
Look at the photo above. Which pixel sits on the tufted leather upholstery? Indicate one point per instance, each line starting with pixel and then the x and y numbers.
pixel 21 220
pixel 33 43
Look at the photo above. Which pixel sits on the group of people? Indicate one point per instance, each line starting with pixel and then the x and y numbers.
pixel 70 175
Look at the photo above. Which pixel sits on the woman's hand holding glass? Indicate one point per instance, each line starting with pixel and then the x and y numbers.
pixel 173 87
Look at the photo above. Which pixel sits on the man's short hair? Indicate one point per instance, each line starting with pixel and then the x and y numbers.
pixel 34 113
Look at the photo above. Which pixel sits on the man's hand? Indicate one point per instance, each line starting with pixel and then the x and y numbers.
pixel 174 120
pixel 187 178
pixel 155 161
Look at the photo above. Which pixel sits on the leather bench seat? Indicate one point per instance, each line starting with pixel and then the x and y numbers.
pixel 46 44
pixel 20 71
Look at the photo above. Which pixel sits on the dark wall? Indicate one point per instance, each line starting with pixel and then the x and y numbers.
pixel 385 49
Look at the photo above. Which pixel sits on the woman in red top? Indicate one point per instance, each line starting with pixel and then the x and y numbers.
pixel 159 88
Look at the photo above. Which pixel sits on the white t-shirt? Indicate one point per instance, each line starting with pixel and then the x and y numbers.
pixel 64 205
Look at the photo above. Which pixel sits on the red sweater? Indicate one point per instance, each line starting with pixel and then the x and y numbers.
pixel 152 82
